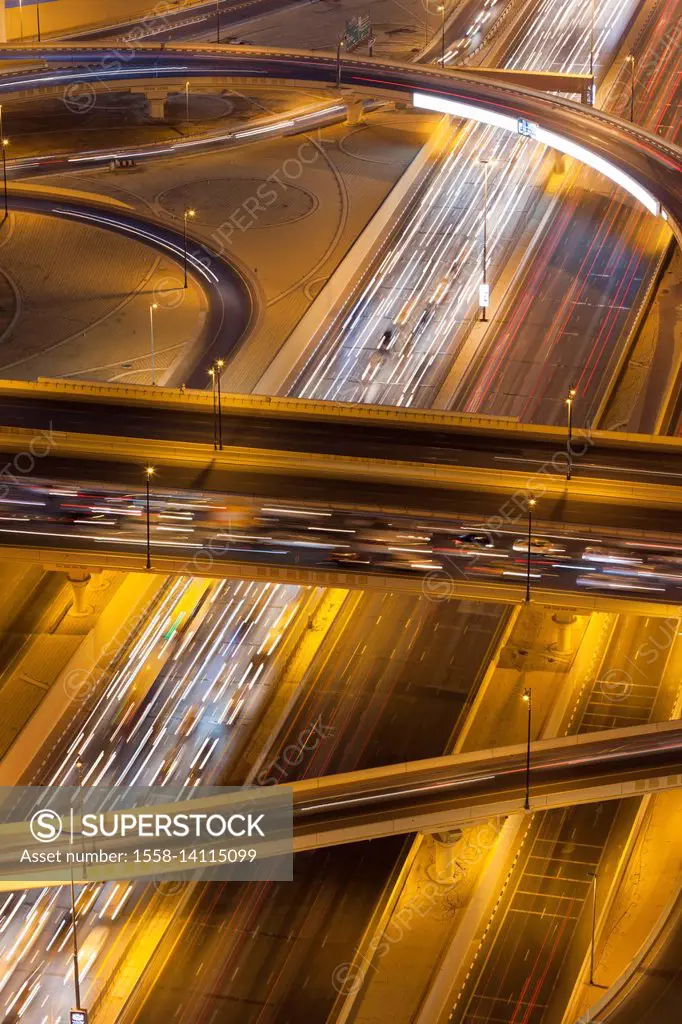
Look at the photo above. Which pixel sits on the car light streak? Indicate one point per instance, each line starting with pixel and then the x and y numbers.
pixel 436 259
pixel 542 136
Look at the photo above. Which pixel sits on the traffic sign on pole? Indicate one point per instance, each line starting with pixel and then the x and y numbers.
pixel 358 30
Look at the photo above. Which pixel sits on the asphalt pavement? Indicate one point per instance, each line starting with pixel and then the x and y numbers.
pixel 230 301
pixel 175 705
pixel 292 1018
pixel 350 543
pixel 385 692
pixel 425 284
pixel 199 21
pixel 564 323
pixel 592 457
pixel 534 929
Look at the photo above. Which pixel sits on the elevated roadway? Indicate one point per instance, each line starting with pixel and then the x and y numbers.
pixel 312 117
pixel 541 81
pixel 311 427
pixel 638 161
pixel 428 796
pixel 448 792
pixel 355 496
pixel 258 516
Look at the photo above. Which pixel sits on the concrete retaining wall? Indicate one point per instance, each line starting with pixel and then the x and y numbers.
pixel 93 656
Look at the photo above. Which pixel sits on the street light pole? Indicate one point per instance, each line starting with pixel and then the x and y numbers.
pixel 187 102
pixel 149 473
pixel 594 924
pixel 76 976
pixel 217 18
pixel 441 8
pixel 531 506
pixel 212 375
pixel 569 409
pixel 74 932
pixel 219 369
pixel 21 19
pixel 186 214
pixel 528 698
pixel 592 51
pixel 485 163
pixel 152 307
pixel 338 62
pixel 4 142
pixel 38 18
pixel 631 62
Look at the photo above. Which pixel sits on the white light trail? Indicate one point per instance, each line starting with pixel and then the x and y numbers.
pixel 433 270
pixel 471 112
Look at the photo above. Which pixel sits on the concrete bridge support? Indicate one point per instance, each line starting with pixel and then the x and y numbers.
pixel 156 98
pixel 445 870
pixel 559 163
pixel 355 110
pixel 79 579
pixel 564 621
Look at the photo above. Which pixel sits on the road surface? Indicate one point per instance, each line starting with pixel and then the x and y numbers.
pixel 256 953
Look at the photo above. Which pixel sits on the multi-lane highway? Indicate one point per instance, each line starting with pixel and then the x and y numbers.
pixel 426 306
pixel 425 287
pixel 586 281
pixel 172 712
pixel 401 348
pixel 385 691
pixel 305 982
pixel 158 724
pixel 576 545
pixel 538 933
pixel 326 908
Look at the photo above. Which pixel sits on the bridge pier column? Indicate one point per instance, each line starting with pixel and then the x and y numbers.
pixel 79 579
pixel 156 98
pixel 445 870
pixel 355 110
pixel 564 621
pixel 559 163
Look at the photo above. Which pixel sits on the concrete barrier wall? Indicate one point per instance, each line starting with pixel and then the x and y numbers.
pixel 338 412
pixel 62 16
pixel 338 290
pixel 91 658
pixel 461 816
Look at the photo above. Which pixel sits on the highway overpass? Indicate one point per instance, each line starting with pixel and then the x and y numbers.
pixel 359 431
pixel 357 497
pixel 449 792
pixel 432 796
pixel 636 160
